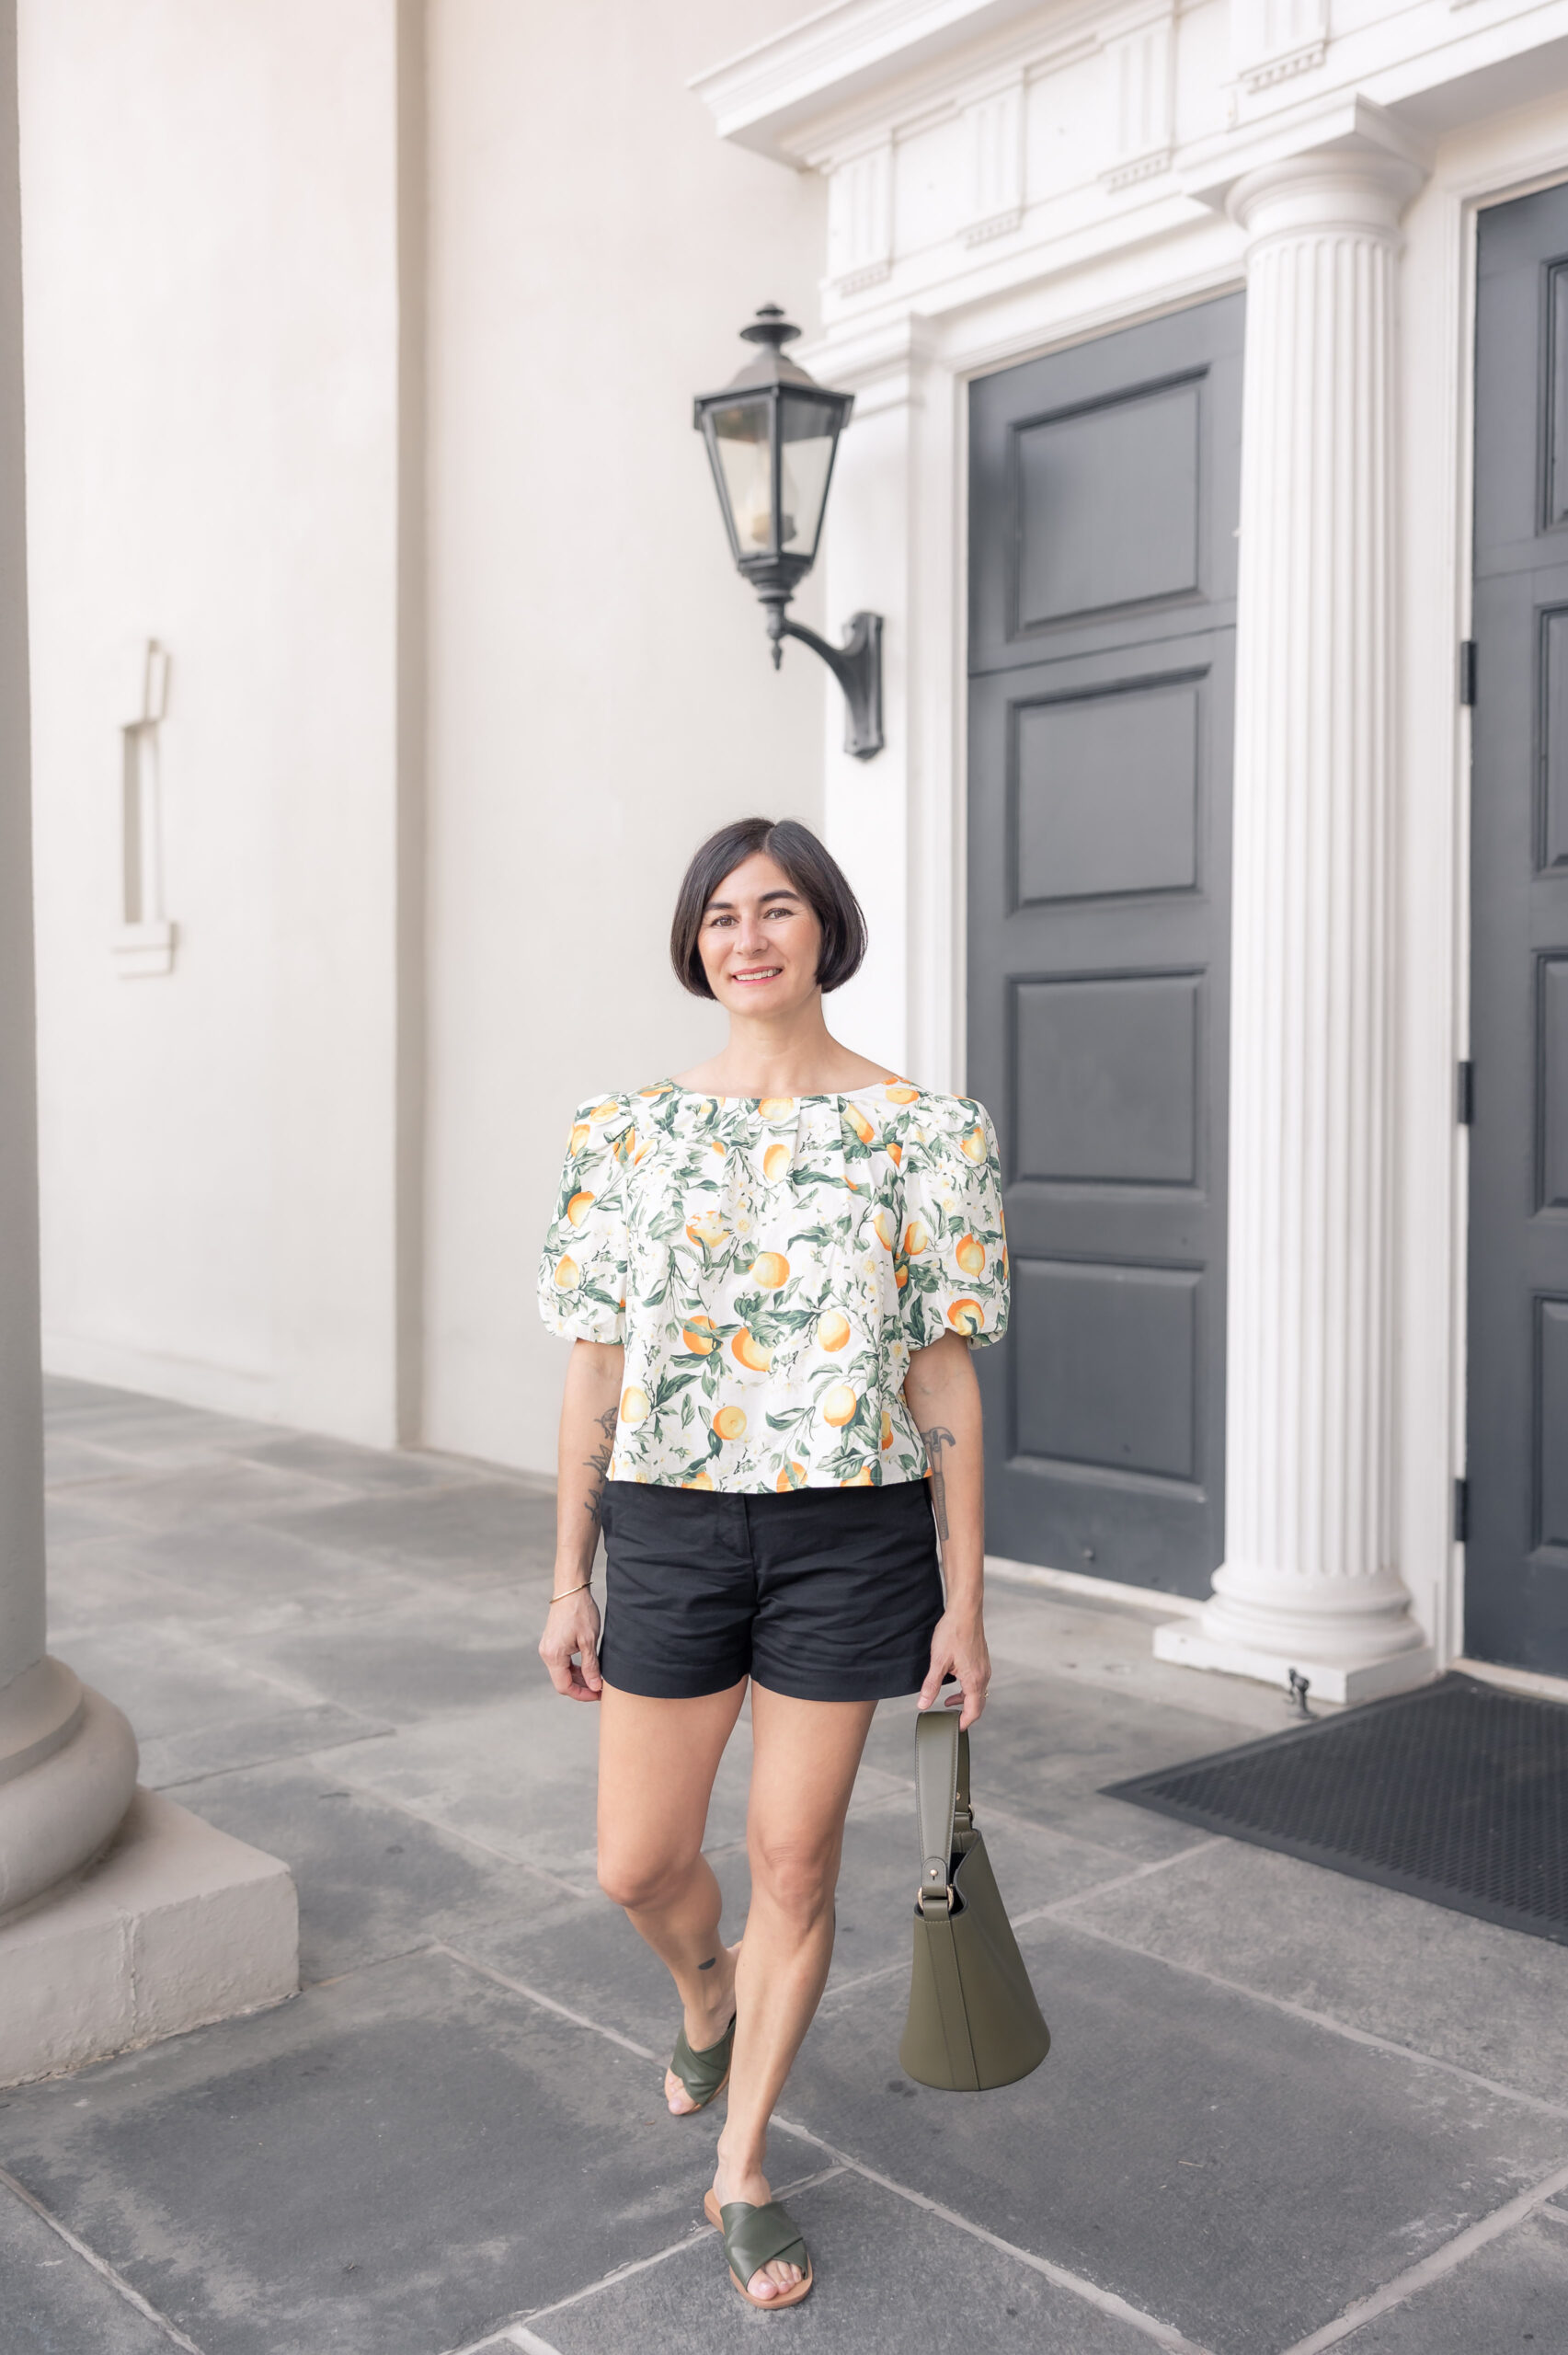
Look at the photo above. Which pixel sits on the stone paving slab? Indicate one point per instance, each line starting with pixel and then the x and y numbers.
pixel 521 1777
pixel 369 1469
pixel 157 1432
pixel 887 2274
pixel 68 1461
pixel 1245 2175
pixel 374 1881
pixel 1510 2296
pixel 204 1495
pixel 487 1530
pixel 168 1678
pixel 180 1758
pixel 250 1576
pixel 1485 1998
pixel 389 2166
pixel 421 1658
pixel 1105 1645
pixel 52 2302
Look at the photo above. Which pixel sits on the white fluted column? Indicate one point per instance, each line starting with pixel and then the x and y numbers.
pixel 177 1924
pixel 1309 1579
pixel 67 1758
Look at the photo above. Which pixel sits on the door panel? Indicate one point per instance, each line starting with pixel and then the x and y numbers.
pixel 1103 496
pixel 1517 1558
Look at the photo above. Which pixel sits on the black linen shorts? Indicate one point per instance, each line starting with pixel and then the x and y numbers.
pixel 823 1594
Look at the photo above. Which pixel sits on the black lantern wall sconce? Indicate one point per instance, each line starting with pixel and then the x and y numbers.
pixel 771 438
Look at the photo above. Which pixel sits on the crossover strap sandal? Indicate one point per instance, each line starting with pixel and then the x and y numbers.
pixel 757 2236
pixel 705 2075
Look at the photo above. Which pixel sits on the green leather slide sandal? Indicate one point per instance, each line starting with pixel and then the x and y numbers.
pixel 757 2236
pixel 705 2075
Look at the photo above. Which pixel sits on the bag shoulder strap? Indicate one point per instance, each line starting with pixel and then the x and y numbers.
pixel 942 1791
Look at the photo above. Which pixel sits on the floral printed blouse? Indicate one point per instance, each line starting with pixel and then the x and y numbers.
pixel 768 1265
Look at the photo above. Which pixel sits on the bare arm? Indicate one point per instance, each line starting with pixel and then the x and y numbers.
pixel 945 1399
pixel 589 1409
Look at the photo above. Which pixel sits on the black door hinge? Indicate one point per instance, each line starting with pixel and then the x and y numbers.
pixel 1461 1512
pixel 1464 1095
pixel 1467 669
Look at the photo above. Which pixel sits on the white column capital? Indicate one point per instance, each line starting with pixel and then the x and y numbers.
pixel 1352 186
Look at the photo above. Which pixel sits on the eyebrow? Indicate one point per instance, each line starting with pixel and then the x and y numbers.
pixel 780 891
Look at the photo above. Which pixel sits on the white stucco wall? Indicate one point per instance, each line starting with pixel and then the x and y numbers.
pixel 600 695
pixel 220 442
pixel 211 335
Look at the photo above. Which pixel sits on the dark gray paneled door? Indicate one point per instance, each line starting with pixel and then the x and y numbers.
pixel 1517 1556
pixel 1104 487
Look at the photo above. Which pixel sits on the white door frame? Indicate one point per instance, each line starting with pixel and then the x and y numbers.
pixel 898 542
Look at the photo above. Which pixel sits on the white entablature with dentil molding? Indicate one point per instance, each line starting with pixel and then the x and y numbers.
pixel 970 143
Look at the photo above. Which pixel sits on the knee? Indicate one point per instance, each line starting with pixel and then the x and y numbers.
pixel 797 1877
pixel 640 1884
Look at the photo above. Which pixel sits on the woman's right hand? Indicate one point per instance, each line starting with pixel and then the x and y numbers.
pixel 572 1627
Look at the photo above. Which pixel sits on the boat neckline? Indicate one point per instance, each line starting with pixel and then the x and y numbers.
pixel 820 1096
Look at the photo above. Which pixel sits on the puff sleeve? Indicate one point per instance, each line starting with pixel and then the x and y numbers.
pixel 952 1252
pixel 582 1268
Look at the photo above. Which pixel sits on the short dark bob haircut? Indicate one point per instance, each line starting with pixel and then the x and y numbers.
pixel 811 866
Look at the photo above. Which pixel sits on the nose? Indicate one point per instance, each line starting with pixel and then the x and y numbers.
pixel 751 940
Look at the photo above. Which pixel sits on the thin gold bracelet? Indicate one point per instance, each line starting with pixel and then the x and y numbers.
pixel 572 1589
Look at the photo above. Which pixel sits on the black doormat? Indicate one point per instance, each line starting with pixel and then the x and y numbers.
pixel 1457 1793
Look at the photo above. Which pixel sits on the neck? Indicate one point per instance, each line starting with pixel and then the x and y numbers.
pixel 782 1055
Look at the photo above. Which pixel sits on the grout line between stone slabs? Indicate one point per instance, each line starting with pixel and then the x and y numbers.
pixel 533 1995
pixel 100 2265
pixel 1164 2333
pixel 1123 1880
pixel 1442 2261
pixel 1322 2019
pixel 520 2333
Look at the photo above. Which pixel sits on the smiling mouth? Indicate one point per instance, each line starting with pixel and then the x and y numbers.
pixel 758 974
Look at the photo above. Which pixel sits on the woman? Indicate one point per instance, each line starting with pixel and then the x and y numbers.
pixel 773 1270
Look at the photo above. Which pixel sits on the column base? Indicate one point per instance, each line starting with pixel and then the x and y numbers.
pixel 178 1925
pixel 1190 1644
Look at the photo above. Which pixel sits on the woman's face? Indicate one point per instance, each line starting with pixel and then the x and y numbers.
pixel 760 941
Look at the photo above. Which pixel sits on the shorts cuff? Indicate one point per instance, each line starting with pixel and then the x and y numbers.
pixel 672 1683
pixel 893 1683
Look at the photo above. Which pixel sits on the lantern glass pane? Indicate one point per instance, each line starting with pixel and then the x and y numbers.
pixel 741 439
pixel 809 433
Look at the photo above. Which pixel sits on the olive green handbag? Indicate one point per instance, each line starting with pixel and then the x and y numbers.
pixel 973 2019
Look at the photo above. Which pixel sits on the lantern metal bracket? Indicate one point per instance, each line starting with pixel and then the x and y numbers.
pixel 856 665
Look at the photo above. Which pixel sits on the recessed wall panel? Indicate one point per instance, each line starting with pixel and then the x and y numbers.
pixel 1556 484
pixel 1105 794
pixel 1552 815
pixel 1553 1084
pixel 1551 1431
pixel 1105 1076
pixel 1108 506
pixel 1107 1358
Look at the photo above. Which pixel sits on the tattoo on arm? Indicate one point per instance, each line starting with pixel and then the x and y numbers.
pixel 937 1439
pixel 598 1463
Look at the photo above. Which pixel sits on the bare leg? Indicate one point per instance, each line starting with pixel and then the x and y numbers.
pixel 805 1756
pixel 656 1763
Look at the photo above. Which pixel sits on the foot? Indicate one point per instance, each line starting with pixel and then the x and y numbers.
pixel 751 2185
pixel 705 2024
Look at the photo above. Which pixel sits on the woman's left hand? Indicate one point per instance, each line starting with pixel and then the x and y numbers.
pixel 959 1645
